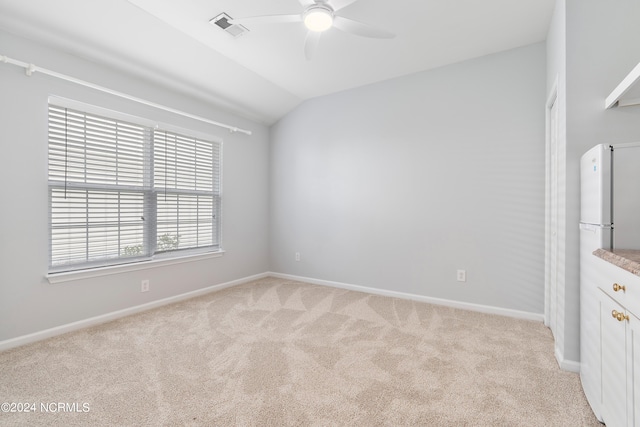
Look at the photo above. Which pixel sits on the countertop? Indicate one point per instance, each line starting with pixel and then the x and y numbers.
pixel 627 259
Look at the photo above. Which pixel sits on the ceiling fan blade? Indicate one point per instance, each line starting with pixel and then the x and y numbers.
pixel 311 44
pixel 340 4
pixel 307 3
pixel 267 19
pixel 359 28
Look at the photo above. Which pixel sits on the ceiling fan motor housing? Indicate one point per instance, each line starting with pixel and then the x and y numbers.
pixel 318 17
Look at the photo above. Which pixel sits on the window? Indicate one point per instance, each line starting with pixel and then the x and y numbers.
pixel 122 192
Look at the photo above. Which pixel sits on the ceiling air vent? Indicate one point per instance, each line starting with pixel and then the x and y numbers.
pixel 222 21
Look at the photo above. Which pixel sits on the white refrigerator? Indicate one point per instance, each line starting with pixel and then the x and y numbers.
pixel 610 219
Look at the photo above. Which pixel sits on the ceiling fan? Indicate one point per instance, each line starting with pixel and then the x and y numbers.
pixel 319 16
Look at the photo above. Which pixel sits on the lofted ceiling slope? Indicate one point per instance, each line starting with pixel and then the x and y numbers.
pixel 263 74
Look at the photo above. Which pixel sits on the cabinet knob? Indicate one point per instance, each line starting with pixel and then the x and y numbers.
pixel 619 316
pixel 617 288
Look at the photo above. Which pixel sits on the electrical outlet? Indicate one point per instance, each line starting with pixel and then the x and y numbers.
pixel 144 286
pixel 297 256
pixel 462 276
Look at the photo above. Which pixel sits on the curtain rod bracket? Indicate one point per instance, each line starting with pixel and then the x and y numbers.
pixel 4 59
pixel 29 70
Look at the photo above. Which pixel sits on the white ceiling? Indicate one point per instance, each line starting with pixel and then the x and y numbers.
pixel 263 74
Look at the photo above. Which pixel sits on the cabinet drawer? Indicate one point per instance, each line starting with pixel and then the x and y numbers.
pixel 619 284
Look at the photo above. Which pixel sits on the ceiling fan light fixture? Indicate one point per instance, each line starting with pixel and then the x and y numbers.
pixel 318 18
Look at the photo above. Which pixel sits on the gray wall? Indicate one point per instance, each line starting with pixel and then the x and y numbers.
pixel 396 185
pixel 393 185
pixel 28 303
pixel 601 47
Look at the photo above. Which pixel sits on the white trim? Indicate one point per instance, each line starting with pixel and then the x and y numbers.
pixel 566 365
pixel 68 276
pixel 30 69
pixel 84 107
pixel 92 321
pixel 552 100
pixel 571 366
pixel 538 317
pixel 622 88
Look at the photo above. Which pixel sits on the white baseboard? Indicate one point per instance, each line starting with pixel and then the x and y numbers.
pixel 438 301
pixel 59 330
pixel 566 365
pixel 69 327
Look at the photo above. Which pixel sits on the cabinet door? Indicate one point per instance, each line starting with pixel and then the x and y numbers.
pixel 590 335
pixel 633 342
pixel 614 363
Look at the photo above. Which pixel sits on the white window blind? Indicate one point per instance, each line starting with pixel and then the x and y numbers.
pixel 122 192
pixel 187 187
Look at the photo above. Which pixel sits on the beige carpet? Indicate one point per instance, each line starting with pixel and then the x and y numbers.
pixel 275 352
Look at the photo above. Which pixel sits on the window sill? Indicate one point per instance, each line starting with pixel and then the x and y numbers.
pixel 69 276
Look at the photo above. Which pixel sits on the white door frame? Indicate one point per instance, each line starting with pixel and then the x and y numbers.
pixel 551 208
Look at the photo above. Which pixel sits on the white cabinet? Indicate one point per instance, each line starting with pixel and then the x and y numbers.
pixel 591 275
pixel 633 345
pixel 614 363
pixel 618 307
